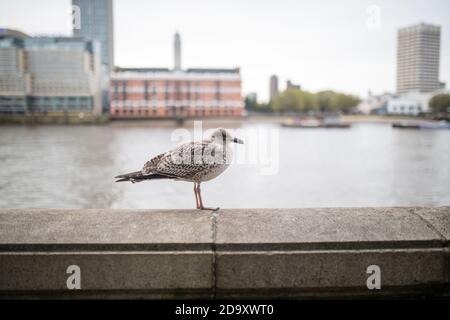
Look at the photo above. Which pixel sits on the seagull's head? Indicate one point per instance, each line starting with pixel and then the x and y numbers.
pixel 221 135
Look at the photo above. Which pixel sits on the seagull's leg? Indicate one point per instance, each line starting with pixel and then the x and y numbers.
pixel 201 202
pixel 196 196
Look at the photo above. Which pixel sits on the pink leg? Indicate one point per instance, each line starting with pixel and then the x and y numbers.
pixel 196 196
pixel 201 202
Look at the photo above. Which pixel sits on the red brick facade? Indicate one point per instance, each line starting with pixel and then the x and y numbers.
pixel 144 93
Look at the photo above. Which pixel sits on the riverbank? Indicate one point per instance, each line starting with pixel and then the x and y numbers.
pixel 83 118
pixel 69 119
pixel 382 119
pixel 279 119
pixel 358 118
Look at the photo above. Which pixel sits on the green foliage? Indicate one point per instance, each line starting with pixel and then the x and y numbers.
pixel 440 103
pixel 324 100
pixel 295 100
pixel 343 102
pixel 252 105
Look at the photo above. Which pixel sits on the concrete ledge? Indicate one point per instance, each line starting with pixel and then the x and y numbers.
pixel 287 253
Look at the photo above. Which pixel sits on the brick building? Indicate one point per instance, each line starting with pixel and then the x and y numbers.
pixel 161 92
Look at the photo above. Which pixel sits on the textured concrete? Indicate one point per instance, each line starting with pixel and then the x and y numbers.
pixel 324 228
pixel 233 253
pixel 97 228
pixel 323 252
pixel 438 219
pixel 170 270
pixel 161 252
pixel 308 272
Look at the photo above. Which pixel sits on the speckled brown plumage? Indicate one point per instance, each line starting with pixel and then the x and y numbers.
pixel 193 161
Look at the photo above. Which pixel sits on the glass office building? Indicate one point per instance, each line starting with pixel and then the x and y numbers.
pixel 96 23
pixel 13 77
pixel 49 75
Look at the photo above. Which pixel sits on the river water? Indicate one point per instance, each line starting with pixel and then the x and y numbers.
pixel 366 165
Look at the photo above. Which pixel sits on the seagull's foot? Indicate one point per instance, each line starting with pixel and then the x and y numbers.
pixel 210 209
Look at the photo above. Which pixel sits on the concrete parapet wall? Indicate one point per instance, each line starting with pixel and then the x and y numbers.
pixel 238 253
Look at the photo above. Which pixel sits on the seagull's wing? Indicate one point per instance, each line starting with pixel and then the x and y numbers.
pixel 148 172
pixel 185 161
pixel 150 165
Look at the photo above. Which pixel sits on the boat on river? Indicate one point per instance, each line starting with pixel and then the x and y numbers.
pixel 421 125
pixel 329 122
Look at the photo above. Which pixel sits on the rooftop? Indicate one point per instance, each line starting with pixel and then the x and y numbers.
pixel 190 70
pixel 11 33
pixel 171 74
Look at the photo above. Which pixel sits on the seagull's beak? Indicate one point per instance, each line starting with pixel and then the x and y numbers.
pixel 237 140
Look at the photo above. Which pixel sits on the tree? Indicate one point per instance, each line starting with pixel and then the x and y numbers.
pixel 343 102
pixel 250 103
pixel 440 103
pixel 324 100
pixel 295 100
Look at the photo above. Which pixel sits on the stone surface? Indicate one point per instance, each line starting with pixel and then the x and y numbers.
pixel 439 218
pixel 328 228
pixel 233 253
pixel 309 271
pixel 116 229
pixel 158 271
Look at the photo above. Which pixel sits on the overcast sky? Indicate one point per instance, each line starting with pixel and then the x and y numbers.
pixel 325 44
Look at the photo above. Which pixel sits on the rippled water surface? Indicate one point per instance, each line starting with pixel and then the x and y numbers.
pixel 366 165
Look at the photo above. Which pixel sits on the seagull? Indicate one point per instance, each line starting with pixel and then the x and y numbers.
pixel 196 162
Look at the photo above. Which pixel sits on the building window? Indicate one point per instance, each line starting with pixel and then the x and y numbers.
pixel 124 90
pixel 116 90
pixel 145 90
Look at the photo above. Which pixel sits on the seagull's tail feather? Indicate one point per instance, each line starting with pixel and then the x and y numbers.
pixel 137 176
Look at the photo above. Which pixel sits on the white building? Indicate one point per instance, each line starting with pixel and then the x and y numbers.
pixel 374 103
pixel 411 103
